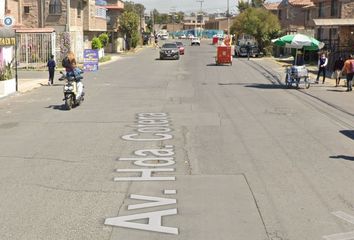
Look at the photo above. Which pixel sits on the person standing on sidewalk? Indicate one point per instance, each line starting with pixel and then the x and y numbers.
pixel 51 69
pixel 348 69
pixel 322 64
pixel 337 69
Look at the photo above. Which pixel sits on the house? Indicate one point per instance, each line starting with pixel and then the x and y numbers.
pixel 333 21
pixel 195 21
pixel 55 26
pixel 294 15
pixel 219 24
pixel 330 21
pixel 115 9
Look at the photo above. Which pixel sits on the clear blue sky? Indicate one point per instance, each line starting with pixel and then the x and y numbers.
pixel 187 6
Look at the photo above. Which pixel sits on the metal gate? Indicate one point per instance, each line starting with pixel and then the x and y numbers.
pixel 34 49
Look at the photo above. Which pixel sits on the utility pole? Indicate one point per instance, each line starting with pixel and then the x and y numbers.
pixel 201 11
pixel 228 18
pixel 153 22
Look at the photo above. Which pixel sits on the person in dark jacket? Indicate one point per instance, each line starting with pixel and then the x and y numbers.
pixel 322 64
pixel 51 69
pixel 337 69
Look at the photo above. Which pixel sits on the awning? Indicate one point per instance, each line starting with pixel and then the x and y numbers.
pixel 334 22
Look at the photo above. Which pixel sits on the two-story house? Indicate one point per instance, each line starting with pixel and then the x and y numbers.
pixel 115 9
pixel 333 21
pixel 70 23
pixel 293 15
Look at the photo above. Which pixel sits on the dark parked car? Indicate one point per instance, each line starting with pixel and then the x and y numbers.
pixel 241 51
pixel 169 51
pixel 181 47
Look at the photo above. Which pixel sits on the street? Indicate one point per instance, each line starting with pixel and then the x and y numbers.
pixel 179 149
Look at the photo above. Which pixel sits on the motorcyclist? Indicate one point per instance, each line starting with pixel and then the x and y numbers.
pixel 69 62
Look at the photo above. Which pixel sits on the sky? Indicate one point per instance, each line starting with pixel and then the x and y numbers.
pixel 187 6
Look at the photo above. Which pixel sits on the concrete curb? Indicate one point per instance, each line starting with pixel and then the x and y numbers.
pixel 26 85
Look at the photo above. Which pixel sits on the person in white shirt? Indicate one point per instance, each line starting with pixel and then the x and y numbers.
pixel 322 64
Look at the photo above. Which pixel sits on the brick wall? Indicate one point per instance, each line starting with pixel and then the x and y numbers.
pixel 12 10
pixel 348 10
pixel 292 17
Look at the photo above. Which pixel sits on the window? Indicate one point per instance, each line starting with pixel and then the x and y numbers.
pixel 55 7
pixel 287 13
pixel 79 8
pixel 101 12
pixel 334 8
pixel 320 10
pixel 319 33
pixel 26 9
pixel 308 15
pixel 279 14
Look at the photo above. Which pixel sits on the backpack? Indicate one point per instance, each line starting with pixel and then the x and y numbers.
pixel 66 62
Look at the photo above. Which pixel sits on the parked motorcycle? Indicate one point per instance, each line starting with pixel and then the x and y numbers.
pixel 73 90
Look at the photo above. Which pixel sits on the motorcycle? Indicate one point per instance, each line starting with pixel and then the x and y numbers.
pixel 73 90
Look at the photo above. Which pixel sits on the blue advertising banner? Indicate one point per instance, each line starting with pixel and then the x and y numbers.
pixel 90 60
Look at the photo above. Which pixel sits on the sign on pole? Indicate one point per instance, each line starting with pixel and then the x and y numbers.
pixel 7 37
pixel 8 21
pixel 90 60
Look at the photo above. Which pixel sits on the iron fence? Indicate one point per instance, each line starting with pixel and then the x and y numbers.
pixel 34 49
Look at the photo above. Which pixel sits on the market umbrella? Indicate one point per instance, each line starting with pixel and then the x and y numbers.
pixel 299 41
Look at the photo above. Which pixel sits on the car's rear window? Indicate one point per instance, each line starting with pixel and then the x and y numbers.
pixel 169 45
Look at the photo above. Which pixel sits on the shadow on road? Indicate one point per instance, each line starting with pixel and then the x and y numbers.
pixel 336 90
pixel 267 86
pixel 57 107
pixel 233 83
pixel 348 158
pixel 348 133
pixel 218 65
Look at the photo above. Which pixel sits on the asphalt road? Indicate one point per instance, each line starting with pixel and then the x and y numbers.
pixel 178 150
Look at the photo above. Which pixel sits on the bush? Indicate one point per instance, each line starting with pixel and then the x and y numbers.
pixel 135 39
pixel 6 71
pixel 96 43
pixel 104 39
pixel 105 59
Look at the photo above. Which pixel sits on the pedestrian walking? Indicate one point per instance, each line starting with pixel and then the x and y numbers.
pixel 156 41
pixel 337 69
pixel 322 64
pixel 248 49
pixel 348 69
pixel 51 69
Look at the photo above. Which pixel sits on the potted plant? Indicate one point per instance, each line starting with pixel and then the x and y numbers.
pixel 7 79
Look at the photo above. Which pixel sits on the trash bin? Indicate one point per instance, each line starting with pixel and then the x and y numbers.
pixel 215 40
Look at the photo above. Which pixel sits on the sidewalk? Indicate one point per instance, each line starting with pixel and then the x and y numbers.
pixel 29 80
pixel 326 93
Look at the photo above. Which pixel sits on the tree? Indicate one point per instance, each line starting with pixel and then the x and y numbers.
pixel 257 3
pixel 259 23
pixel 179 16
pixel 129 25
pixel 103 37
pixel 242 5
pixel 96 43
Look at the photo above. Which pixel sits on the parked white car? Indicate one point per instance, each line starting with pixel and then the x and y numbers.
pixel 195 41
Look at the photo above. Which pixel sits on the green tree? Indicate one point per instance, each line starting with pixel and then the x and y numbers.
pixel 179 17
pixel 104 39
pixel 129 25
pixel 96 43
pixel 243 5
pixel 257 22
pixel 257 3
pixel 138 8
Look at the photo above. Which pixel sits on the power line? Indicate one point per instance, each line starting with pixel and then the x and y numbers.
pixel 201 5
